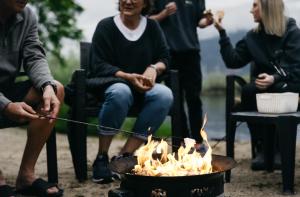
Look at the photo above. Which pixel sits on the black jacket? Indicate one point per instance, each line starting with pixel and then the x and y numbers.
pixel 263 49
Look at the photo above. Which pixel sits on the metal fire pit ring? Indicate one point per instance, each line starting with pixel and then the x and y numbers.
pixel 205 185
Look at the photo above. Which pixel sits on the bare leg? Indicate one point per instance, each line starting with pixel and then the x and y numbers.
pixel 38 132
pixel 104 143
pixel 131 145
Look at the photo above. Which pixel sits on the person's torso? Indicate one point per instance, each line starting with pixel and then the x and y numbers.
pixel 12 35
pixel 266 49
pixel 181 28
pixel 132 56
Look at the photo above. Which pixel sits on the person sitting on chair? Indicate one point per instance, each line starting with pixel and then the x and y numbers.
pixel 128 53
pixel 24 101
pixel 274 47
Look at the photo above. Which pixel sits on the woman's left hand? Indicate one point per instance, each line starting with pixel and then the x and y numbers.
pixel 264 81
pixel 151 74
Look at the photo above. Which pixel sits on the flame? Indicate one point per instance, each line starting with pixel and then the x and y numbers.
pixel 188 160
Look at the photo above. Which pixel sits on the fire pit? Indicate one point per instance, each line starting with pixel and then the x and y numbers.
pixel 157 173
pixel 206 185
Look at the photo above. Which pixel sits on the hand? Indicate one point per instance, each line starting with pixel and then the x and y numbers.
pixel 264 81
pixel 170 8
pixel 218 20
pixel 20 112
pixel 50 103
pixel 151 74
pixel 207 18
pixel 141 83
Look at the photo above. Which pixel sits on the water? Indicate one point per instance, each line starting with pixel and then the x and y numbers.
pixel 214 107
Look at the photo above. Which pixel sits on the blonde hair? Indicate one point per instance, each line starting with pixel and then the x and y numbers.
pixel 273 17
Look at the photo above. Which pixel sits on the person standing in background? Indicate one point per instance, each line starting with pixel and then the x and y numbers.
pixel 179 21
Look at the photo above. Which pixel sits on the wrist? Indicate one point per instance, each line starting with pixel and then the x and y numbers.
pixel 154 66
pixel 49 83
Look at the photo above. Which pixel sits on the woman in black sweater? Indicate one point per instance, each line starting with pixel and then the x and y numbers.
pixel 128 53
pixel 274 47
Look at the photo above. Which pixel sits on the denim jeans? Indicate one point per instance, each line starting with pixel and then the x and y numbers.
pixel 119 98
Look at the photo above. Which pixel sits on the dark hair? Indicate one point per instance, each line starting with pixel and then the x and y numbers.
pixel 146 10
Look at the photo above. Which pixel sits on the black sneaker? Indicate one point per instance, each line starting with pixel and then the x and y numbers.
pixel 101 172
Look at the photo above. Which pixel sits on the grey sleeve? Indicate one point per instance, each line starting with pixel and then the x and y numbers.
pixel 35 63
pixel 3 102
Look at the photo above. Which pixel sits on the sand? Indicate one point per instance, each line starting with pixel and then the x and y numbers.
pixel 244 182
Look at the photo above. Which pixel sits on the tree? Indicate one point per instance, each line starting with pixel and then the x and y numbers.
pixel 57 20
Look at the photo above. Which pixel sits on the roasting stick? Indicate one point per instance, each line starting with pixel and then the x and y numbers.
pixel 110 128
pixel 128 132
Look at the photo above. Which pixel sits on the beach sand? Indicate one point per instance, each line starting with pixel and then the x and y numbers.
pixel 244 182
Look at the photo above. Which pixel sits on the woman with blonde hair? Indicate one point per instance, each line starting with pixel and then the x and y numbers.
pixel 274 48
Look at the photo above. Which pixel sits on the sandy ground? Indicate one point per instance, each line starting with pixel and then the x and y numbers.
pixel 244 181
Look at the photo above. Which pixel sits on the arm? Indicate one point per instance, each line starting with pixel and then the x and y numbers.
pixel 161 58
pixel 34 58
pixel 101 54
pixel 291 59
pixel 169 9
pixel 36 66
pixel 3 101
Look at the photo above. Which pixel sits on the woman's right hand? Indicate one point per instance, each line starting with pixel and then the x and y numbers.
pixel 218 17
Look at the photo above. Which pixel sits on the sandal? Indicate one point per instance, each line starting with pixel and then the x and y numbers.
pixel 7 191
pixel 39 188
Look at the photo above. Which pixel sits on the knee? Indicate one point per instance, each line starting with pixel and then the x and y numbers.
pixel 164 96
pixel 119 94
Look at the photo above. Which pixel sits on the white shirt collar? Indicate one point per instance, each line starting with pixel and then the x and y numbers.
pixel 131 35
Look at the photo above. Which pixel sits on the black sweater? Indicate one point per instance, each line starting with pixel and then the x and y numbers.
pixel 261 48
pixel 112 52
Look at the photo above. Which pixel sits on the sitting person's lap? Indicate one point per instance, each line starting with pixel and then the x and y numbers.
pixel 119 98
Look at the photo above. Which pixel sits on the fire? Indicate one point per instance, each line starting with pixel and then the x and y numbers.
pixel 188 161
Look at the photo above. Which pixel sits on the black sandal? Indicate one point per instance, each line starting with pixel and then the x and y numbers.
pixel 39 188
pixel 7 191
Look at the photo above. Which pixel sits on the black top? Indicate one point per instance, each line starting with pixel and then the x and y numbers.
pixel 181 28
pixel 262 49
pixel 112 52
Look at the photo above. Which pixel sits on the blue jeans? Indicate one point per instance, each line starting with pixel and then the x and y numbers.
pixel 118 100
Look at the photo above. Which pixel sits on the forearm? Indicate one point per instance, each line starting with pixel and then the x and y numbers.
pixel 160 67
pixel 122 75
pixel 160 16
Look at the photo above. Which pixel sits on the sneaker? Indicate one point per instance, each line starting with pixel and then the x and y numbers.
pixel 101 172
pixel 116 175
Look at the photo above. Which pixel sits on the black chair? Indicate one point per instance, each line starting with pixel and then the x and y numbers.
pixel 83 105
pixel 286 128
pixel 50 148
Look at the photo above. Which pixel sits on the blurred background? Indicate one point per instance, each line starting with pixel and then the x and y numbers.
pixel 64 23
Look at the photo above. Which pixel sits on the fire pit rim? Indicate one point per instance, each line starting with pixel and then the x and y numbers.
pixel 230 163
